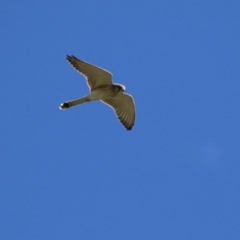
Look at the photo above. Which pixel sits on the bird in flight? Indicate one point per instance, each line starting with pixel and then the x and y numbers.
pixel 102 88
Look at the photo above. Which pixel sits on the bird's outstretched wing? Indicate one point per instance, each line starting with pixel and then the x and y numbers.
pixel 95 76
pixel 124 108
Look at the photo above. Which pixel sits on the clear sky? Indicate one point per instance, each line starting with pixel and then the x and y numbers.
pixel 78 174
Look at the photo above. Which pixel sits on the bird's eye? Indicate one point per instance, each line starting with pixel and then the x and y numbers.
pixel 116 89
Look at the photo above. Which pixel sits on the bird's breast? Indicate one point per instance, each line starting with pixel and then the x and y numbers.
pixel 102 92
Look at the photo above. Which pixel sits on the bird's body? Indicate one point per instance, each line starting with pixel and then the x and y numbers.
pixel 102 88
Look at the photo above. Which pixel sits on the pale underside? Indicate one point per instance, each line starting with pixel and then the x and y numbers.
pixel 100 80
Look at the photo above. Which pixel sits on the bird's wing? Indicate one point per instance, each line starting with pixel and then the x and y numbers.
pixel 124 107
pixel 95 76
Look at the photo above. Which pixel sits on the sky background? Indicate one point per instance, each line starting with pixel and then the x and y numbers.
pixel 78 174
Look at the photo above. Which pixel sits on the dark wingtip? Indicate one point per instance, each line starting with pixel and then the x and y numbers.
pixel 128 127
pixel 69 57
pixel 125 124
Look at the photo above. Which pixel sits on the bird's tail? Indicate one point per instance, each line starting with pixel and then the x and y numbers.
pixel 73 103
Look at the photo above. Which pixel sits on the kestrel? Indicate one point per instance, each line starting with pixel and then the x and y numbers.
pixel 102 88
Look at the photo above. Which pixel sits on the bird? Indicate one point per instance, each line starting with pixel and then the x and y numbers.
pixel 102 88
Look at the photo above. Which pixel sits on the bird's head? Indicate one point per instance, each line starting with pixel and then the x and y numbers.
pixel 118 88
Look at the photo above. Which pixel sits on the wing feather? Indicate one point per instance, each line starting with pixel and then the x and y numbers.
pixel 124 107
pixel 95 76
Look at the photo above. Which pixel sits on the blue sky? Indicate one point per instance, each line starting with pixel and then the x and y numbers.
pixel 78 174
